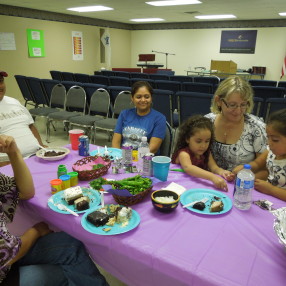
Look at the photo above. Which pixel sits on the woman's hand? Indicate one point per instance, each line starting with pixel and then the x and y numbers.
pixel 220 183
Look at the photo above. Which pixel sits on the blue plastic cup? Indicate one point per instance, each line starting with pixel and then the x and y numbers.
pixel 161 166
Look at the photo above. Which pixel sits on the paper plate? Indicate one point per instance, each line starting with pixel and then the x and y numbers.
pixel 115 229
pixel 40 153
pixel 112 152
pixel 198 194
pixel 58 198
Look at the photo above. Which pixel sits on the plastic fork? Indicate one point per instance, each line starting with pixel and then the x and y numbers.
pixel 64 208
pixel 204 200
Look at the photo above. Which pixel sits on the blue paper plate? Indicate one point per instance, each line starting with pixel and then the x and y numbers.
pixel 115 229
pixel 58 198
pixel 113 152
pixel 198 194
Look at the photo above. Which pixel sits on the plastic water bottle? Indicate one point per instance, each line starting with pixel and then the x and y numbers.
pixel 143 149
pixel 243 188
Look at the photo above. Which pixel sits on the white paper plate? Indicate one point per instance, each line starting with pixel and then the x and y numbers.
pixel 40 153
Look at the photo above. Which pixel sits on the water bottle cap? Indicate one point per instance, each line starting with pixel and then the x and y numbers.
pixel 144 139
pixel 247 166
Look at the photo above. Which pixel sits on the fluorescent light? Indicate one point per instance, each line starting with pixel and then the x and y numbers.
pixel 90 9
pixel 204 17
pixel 282 14
pixel 173 2
pixel 147 20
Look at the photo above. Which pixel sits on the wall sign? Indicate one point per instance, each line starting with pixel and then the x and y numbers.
pixel 239 41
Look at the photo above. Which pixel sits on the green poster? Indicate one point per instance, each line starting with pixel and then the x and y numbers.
pixel 36 45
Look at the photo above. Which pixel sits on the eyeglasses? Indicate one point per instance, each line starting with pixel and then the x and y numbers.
pixel 234 106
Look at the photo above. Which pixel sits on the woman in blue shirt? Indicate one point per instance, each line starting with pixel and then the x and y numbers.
pixel 134 123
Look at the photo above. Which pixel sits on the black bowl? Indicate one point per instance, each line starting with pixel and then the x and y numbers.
pixel 163 206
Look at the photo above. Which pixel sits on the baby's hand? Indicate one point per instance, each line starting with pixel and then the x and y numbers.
pixel 237 169
pixel 220 183
pixel 262 186
pixel 229 176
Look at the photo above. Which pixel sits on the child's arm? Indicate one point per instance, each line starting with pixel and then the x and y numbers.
pixel 190 169
pixel 258 164
pixel 214 168
pixel 267 188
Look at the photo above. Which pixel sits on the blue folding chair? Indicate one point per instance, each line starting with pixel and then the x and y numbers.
pixel 25 90
pixel 121 74
pixel 197 87
pixel 214 80
pixel 82 77
pixel 262 82
pixel 182 78
pixel 159 76
pixel 99 79
pixel 168 85
pixel 273 104
pixel 68 76
pixel 258 106
pixel 38 91
pixel 119 81
pixel 139 75
pixel 56 75
pixel 162 102
pixel 48 85
pixel 190 103
pixel 150 81
pixel 115 90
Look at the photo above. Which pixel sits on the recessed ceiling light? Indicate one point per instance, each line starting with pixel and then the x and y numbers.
pixel 173 2
pixel 282 14
pixel 90 9
pixel 204 17
pixel 147 20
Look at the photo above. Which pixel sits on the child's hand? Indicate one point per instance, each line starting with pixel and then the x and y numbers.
pixel 262 186
pixel 220 183
pixel 229 176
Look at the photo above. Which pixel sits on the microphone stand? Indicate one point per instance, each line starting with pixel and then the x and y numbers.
pixel 166 56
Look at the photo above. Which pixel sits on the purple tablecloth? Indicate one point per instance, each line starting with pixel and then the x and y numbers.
pixel 179 248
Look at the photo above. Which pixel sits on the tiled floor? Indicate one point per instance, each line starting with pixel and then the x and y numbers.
pixel 60 138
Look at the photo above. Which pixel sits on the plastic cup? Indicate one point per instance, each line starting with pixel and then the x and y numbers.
pixel 74 136
pixel 161 166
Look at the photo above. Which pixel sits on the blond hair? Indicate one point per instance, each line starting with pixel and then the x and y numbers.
pixel 230 85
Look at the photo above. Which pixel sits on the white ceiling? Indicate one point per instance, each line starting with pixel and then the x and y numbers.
pixel 124 10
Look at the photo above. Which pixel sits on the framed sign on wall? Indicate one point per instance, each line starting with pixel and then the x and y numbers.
pixel 239 41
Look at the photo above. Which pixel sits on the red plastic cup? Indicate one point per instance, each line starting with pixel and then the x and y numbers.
pixel 74 135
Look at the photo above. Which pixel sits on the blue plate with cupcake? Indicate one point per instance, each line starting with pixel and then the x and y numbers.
pixel 77 199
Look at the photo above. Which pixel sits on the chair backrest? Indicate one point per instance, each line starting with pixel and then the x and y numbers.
pixel 207 79
pixel 197 87
pixel 38 91
pixel 159 76
pixel 115 90
pixel 139 75
pixel 90 88
pixel 68 84
pixel 273 104
pixel 168 85
pixel 150 81
pixel 81 77
pixel 58 96
pixel 107 73
pixel 99 79
pixel 100 103
pixel 266 92
pixel 281 84
pixel 69 76
pixel 262 82
pixel 162 102
pixel 121 74
pixel 48 85
pixel 121 102
pixel 25 90
pixel 56 75
pixel 166 146
pixel 258 106
pixel 182 78
pixel 190 103
pixel 119 81
pixel 76 99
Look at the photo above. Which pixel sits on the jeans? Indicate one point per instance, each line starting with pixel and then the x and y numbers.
pixel 58 259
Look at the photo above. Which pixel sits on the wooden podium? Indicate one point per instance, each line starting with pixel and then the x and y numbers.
pixel 223 67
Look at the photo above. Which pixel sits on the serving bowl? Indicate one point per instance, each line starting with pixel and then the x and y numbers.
pixel 161 200
pixel 41 153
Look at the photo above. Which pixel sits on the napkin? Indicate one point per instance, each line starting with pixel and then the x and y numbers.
pixel 175 188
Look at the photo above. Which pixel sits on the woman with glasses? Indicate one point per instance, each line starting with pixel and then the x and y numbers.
pixel 239 136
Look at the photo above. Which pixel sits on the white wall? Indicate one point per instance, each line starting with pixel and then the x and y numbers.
pixel 197 47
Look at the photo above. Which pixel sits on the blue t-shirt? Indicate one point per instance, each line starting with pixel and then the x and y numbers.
pixel 133 127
